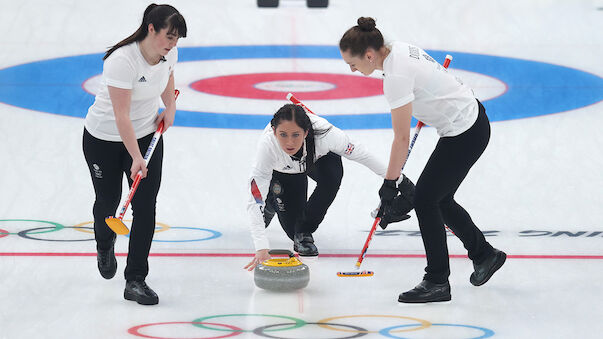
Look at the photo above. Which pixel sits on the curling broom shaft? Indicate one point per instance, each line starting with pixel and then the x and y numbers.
pixel 294 100
pixel 367 242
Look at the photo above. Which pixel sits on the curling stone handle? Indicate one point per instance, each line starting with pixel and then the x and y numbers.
pixel 281 252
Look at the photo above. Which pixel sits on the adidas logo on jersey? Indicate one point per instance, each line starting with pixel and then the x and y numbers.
pixel 142 79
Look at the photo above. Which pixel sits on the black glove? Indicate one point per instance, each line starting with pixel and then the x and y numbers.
pixel 395 209
pixel 407 190
pixel 387 193
pixel 391 216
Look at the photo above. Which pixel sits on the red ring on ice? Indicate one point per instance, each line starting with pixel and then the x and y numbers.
pixel 340 86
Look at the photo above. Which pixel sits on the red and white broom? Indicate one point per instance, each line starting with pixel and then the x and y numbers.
pixel 117 224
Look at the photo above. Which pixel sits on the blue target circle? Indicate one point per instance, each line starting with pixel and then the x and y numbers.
pixel 534 88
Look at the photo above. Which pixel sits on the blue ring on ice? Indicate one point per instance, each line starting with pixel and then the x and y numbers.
pixel 214 234
pixel 487 333
pixel 534 88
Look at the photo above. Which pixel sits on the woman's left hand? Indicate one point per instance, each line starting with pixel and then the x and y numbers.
pixel 260 257
pixel 167 116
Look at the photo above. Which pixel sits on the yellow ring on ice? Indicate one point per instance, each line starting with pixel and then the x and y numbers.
pixel 424 323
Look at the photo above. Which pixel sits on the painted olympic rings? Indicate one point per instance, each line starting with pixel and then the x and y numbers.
pixel 215 234
pixel 360 332
pixel 487 332
pixel 162 227
pixel 356 330
pixel 136 330
pixel 57 226
pixel 297 322
pixel 424 323
pixel 30 232
pixel 25 234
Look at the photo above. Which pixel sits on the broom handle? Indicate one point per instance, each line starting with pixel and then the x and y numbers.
pixel 147 157
pixel 296 101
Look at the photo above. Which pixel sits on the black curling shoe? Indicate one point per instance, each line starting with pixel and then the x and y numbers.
pixel 107 265
pixel 484 271
pixel 303 244
pixel 140 292
pixel 426 292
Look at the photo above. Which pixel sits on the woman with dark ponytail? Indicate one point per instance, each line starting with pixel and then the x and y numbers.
pixel 294 146
pixel 416 85
pixel 137 72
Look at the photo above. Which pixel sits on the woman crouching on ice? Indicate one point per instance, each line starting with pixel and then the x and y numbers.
pixel 293 147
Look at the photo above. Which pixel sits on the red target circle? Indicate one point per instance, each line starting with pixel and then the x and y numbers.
pixel 275 86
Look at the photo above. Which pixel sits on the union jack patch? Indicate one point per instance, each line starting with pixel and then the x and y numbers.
pixel 349 149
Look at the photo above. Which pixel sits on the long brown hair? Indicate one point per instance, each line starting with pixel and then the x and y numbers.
pixel 359 38
pixel 161 16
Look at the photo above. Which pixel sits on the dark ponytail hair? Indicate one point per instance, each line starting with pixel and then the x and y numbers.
pixel 161 16
pixel 291 112
pixel 359 38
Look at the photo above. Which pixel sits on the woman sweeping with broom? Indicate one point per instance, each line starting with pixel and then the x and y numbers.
pixel 415 84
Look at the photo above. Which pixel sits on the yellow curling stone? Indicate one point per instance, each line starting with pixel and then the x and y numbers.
pixel 281 274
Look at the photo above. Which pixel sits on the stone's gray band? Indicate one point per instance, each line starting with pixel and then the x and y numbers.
pixel 287 278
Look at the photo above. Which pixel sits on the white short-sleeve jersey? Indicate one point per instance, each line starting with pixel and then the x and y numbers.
pixel 126 68
pixel 438 99
pixel 271 157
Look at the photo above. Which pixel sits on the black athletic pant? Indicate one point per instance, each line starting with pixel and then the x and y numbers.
pixel 434 198
pixel 108 161
pixel 288 195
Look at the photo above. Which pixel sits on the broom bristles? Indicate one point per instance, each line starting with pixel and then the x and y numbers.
pixel 356 274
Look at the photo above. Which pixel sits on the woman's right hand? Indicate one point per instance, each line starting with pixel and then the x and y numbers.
pixel 138 164
pixel 260 257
